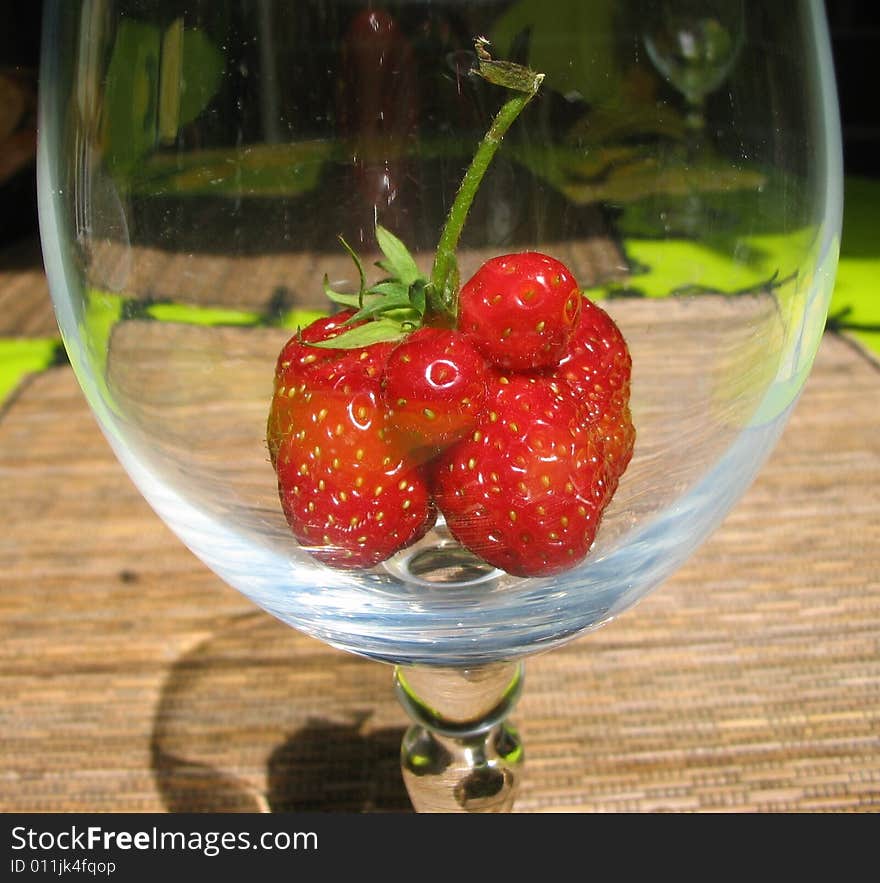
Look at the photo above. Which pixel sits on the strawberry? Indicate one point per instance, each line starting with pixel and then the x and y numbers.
pixel 525 490
pixel 349 493
pixel 295 362
pixel 302 367
pixel 349 497
pixel 304 362
pixel 597 363
pixel 598 368
pixel 434 385
pixel 521 310
pixel 617 435
pixel 514 389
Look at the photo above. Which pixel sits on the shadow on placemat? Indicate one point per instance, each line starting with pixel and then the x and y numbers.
pixel 258 718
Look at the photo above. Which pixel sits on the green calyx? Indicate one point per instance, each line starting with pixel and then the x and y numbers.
pixel 406 300
pixel 394 307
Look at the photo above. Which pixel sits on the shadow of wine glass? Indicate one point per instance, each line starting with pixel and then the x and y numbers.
pixel 259 718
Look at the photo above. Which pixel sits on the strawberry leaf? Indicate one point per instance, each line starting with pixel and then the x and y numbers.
pixel 386 266
pixel 384 305
pixel 387 310
pixel 377 331
pixel 407 318
pixel 417 296
pixel 399 262
pixel 392 288
pixel 341 297
pixel 360 269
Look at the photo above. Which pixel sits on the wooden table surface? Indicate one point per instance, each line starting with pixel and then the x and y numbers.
pixel 134 680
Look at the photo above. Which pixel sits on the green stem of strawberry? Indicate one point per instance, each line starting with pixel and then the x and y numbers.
pixel 443 291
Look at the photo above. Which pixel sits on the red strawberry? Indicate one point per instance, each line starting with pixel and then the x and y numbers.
pixel 525 491
pixel 302 367
pixel 349 496
pixel 521 310
pixel 617 436
pixel 434 385
pixel 597 363
pixel 528 460
pixel 598 368
pixel 301 363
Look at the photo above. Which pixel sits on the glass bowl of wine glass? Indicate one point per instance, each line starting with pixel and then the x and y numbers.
pixel 381 309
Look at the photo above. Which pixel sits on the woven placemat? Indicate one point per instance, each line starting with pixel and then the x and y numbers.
pixel 25 309
pixel 134 680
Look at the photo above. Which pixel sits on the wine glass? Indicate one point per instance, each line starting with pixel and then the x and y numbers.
pixel 694 44
pixel 215 176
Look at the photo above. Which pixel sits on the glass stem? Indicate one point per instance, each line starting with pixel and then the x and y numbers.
pixel 695 127
pixel 460 754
